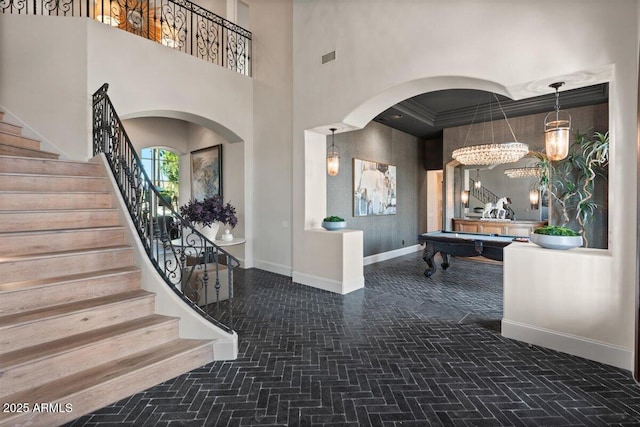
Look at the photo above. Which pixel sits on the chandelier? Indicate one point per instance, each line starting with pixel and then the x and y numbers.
pixel 526 172
pixel 491 154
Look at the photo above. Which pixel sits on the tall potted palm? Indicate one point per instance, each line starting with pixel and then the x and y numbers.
pixel 569 183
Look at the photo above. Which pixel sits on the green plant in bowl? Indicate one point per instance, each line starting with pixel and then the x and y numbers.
pixel 333 223
pixel 556 237
pixel 555 230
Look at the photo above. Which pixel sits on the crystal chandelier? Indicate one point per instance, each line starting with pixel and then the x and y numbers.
pixel 526 172
pixel 491 154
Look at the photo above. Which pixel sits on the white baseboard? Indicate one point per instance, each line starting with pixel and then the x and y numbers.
pixel 327 284
pixel 273 267
pixel 571 344
pixel 372 259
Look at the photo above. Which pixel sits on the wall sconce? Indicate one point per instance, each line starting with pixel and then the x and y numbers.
pixel 107 13
pixel 534 199
pixel 556 130
pixel 477 184
pixel 333 156
pixel 464 198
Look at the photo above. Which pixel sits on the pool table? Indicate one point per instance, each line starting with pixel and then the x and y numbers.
pixel 461 244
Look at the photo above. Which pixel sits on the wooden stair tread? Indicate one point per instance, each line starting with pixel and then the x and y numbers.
pixel 60 231
pixel 44 350
pixel 54 281
pixel 73 307
pixel 20 164
pixel 10 128
pixel 27 257
pixel 46 175
pixel 102 385
pixel 10 150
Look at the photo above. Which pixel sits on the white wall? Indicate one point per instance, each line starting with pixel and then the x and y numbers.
pixel 378 64
pixel 38 87
pixel 271 23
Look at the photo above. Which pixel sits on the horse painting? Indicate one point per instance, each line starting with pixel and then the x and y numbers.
pixel 498 207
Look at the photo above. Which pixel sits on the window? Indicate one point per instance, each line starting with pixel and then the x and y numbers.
pixel 163 166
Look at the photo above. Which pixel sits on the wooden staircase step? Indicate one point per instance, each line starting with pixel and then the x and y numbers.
pixel 99 386
pixel 21 268
pixel 10 150
pixel 18 141
pixel 32 366
pixel 29 328
pixel 11 221
pixel 10 164
pixel 35 242
pixel 56 183
pixel 30 295
pixel 11 201
pixel 10 128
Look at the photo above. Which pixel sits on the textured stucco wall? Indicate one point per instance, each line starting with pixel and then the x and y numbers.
pixel 379 143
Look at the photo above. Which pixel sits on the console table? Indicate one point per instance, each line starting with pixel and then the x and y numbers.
pixel 494 226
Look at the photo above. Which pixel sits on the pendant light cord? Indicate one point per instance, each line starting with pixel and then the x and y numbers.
pixel 505 118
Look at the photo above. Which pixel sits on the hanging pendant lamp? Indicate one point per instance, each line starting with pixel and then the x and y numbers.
pixel 494 153
pixel 333 156
pixel 477 184
pixel 557 126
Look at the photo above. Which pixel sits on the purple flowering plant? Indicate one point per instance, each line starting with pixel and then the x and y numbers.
pixel 209 210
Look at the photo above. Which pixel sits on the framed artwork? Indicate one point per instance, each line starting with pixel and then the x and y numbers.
pixel 206 172
pixel 374 188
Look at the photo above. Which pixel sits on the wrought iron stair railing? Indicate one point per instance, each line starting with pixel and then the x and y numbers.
pixel 191 265
pixel 482 193
pixel 178 24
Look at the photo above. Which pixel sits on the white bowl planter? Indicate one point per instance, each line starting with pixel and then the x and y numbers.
pixel 556 242
pixel 334 225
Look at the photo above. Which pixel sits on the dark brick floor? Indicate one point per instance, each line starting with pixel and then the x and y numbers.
pixel 404 351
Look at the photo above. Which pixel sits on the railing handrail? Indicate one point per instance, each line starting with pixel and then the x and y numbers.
pixel 178 24
pixel 204 248
pixel 483 194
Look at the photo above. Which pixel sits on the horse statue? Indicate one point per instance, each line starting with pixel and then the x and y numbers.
pixel 498 207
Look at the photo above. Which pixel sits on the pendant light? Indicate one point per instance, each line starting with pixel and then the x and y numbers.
pixel 477 184
pixel 333 156
pixel 557 125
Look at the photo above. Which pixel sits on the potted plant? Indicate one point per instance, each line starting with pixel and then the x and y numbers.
pixel 333 223
pixel 556 237
pixel 209 213
pixel 570 182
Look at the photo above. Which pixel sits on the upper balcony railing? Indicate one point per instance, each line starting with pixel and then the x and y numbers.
pixel 178 24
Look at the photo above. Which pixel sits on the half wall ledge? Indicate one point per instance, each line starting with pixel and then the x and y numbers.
pixel 565 300
pixel 333 260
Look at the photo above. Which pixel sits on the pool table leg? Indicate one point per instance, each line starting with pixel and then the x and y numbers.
pixel 445 260
pixel 427 256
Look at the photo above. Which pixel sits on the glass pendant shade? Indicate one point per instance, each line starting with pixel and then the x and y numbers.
pixel 477 184
pixel 464 198
pixel 333 165
pixel 557 127
pixel 534 199
pixel 333 157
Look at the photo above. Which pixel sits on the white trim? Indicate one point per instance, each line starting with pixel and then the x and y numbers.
pixel 383 256
pixel 273 267
pixel 328 284
pixel 571 344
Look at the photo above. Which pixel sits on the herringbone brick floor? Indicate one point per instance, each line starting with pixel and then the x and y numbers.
pixel 404 351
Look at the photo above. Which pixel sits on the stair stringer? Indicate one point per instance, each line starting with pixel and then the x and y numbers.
pixel 167 302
